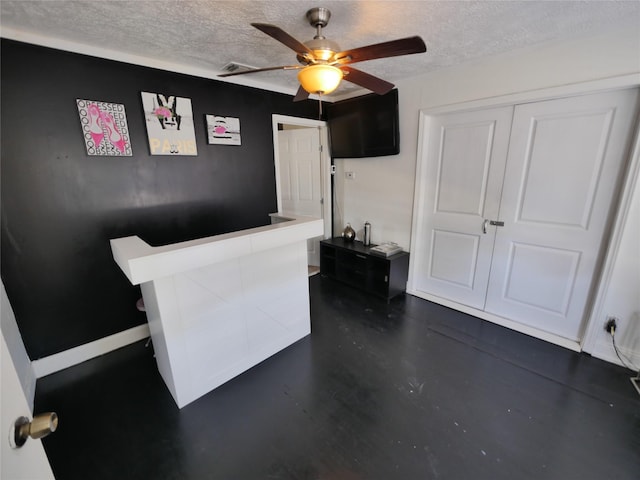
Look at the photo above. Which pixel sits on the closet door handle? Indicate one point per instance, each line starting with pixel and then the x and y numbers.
pixel 495 223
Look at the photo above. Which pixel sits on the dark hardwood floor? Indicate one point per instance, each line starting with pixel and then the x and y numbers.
pixel 409 390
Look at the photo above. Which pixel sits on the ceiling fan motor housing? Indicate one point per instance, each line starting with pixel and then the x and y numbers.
pixel 323 48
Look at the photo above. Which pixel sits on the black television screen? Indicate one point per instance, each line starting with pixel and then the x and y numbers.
pixel 366 126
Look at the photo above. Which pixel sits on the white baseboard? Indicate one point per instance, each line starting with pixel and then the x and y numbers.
pixel 518 327
pixel 59 361
pixel 604 351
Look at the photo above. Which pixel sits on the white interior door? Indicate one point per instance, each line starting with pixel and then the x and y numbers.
pixel 565 160
pixel 300 178
pixel 466 154
pixel 29 461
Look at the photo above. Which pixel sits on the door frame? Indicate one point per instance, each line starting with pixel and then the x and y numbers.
pixel 325 162
pixel 622 204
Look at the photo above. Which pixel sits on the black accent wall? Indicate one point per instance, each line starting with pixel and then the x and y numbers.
pixel 60 206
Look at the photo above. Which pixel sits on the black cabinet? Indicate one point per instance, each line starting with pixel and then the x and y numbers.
pixel 354 264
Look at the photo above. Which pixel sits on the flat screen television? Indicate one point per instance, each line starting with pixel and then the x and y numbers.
pixel 365 126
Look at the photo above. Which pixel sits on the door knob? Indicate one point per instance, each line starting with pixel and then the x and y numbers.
pixel 41 426
pixel 495 223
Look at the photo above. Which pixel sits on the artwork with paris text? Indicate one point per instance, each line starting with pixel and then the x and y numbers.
pixel 169 122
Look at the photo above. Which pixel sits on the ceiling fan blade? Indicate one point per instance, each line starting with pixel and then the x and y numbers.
pixel 266 69
pixel 284 38
pixel 375 84
pixel 302 94
pixel 393 48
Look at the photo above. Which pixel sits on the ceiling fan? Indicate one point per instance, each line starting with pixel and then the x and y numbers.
pixel 323 64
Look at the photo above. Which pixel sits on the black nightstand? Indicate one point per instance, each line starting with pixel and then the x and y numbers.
pixel 355 265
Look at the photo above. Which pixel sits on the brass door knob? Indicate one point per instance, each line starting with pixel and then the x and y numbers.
pixel 41 426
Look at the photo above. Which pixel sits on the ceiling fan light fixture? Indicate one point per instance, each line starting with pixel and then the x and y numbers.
pixel 320 78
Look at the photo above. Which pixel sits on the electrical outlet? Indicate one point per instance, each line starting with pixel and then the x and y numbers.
pixel 610 325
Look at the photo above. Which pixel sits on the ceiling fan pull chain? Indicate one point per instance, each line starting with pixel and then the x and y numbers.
pixel 319 106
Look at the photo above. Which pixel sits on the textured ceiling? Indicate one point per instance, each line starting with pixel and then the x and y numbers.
pixel 204 36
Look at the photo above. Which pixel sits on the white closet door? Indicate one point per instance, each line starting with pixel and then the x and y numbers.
pixel 465 159
pixel 565 160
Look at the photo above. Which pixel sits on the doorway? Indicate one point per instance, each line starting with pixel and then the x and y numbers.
pixel 302 168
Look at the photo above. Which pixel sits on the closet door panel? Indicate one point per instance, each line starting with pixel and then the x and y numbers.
pixel 466 154
pixel 541 277
pixel 565 160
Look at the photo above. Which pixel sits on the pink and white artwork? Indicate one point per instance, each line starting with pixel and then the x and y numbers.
pixel 169 124
pixel 223 130
pixel 104 127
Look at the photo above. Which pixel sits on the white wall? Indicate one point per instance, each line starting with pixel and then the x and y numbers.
pixel 382 191
pixel 622 295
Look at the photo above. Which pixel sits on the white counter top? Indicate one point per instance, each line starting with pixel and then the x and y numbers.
pixel 141 262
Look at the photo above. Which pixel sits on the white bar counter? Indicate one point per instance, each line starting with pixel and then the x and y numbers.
pixel 217 306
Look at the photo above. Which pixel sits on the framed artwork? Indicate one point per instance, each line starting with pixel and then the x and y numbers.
pixel 169 122
pixel 223 130
pixel 104 127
